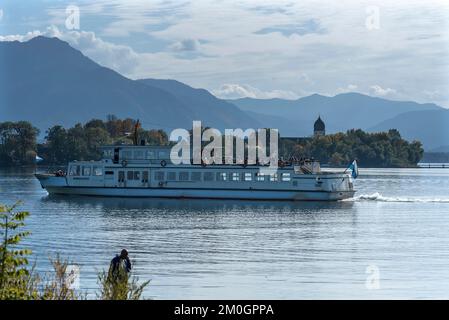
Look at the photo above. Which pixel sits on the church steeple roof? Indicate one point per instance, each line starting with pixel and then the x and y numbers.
pixel 319 125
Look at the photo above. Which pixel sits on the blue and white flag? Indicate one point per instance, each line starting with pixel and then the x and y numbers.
pixel 354 169
pixel 38 159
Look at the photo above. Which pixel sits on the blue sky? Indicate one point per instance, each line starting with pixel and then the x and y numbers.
pixel 262 49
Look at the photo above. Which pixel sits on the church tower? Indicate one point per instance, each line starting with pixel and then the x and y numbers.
pixel 319 128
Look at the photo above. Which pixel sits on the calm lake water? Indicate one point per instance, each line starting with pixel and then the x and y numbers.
pixel 397 227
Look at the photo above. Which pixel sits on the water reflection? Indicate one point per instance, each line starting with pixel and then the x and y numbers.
pixel 196 205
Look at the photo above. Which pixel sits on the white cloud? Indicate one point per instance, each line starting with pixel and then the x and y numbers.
pixel 377 90
pixel 348 88
pixel 304 77
pixel 186 45
pixel 235 91
pixel 117 57
pixel 21 37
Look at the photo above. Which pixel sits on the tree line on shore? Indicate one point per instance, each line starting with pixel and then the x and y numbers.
pixel 379 149
pixel 19 146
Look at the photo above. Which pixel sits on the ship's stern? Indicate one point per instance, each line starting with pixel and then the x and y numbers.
pixel 339 186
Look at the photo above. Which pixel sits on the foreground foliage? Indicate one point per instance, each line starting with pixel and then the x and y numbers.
pixel 123 288
pixel 19 281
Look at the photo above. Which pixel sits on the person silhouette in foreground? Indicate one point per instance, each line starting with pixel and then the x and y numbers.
pixel 120 266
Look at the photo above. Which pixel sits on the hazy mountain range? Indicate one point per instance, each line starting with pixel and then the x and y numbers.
pixel 47 82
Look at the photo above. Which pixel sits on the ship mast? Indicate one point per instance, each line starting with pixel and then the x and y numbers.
pixel 136 128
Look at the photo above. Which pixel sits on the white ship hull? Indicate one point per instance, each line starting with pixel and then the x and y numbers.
pixel 204 194
pixel 58 185
pixel 156 177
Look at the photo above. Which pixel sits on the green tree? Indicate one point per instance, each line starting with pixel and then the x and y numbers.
pixel 155 137
pixel 58 146
pixel 95 137
pixel 77 144
pixel 17 142
pixel 16 281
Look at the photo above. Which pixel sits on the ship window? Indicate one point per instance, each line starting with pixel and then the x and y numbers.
pixel 260 176
pixel 75 170
pixel 86 170
pixel 130 175
pixel 98 171
pixel 286 177
pixel 150 155
pixel 108 154
pixel 196 176
pixel 121 176
pixel 183 176
pixel 222 176
pixel 163 155
pixel 235 176
pixel 274 177
pixel 159 175
pixel 126 154
pixel 248 176
pixel 145 176
pixel 138 154
pixel 208 176
pixel 109 172
pixel 136 175
pixel 171 176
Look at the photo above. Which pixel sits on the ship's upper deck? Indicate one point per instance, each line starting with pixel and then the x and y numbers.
pixel 132 154
pixel 135 154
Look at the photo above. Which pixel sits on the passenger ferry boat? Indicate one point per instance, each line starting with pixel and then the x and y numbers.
pixel 146 171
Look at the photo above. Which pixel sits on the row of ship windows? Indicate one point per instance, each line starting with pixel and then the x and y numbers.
pixel 138 154
pixel 78 170
pixel 219 176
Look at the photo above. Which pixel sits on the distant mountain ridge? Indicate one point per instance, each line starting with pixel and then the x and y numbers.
pixel 353 111
pixel 341 112
pixel 47 82
pixel 431 127
pixel 203 105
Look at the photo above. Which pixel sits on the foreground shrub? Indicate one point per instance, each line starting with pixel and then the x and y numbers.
pixel 121 287
pixel 19 282
pixel 16 281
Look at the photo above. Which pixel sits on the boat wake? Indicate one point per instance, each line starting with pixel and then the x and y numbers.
pixel 380 198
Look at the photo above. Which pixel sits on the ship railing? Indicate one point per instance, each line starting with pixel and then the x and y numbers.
pixel 58 170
